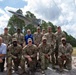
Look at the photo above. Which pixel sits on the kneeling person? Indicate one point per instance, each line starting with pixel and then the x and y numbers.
pixel 14 54
pixel 44 53
pixel 65 55
pixel 30 55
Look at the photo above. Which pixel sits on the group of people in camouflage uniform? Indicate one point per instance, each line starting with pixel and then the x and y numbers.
pixel 44 48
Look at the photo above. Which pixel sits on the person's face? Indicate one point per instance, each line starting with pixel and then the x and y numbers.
pixel 18 31
pixel 14 43
pixel 6 31
pixel 63 42
pixel 38 30
pixel 28 32
pixel 44 41
pixel 59 29
pixel 43 31
pixel 29 43
pixel 49 29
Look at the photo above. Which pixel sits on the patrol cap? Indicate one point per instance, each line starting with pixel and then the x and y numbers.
pixel 5 28
pixel 38 27
pixel 28 30
pixel 44 38
pixel 58 27
pixel 62 39
pixel 49 27
pixel 14 39
pixel 18 29
pixel 29 39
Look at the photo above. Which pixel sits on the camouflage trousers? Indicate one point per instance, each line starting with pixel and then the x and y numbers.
pixel 12 63
pixel 65 63
pixel 31 65
pixel 44 62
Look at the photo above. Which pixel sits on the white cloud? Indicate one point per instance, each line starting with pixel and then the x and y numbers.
pixel 1 0
pixel 4 17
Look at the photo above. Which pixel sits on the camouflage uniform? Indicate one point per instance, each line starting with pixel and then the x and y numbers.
pixel 51 39
pixel 32 52
pixel 65 53
pixel 37 38
pixel 58 42
pixel 19 37
pixel 6 38
pixel 44 53
pixel 14 53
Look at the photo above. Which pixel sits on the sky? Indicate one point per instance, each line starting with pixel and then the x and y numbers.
pixel 59 12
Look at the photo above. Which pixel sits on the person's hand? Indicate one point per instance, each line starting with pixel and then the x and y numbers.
pixel 1 60
pixel 46 55
pixel 63 57
pixel 27 56
pixel 29 59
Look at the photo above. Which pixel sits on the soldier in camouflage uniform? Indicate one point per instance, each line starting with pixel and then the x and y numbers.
pixel 6 37
pixel 19 36
pixel 65 55
pixel 44 52
pixel 14 53
pixel 29 55
pixel 59 34
pixel 51 39
pixel 37 41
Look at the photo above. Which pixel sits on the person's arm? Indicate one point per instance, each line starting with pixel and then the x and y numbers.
pixel 1 60
pixel 2 55
pixel 3 51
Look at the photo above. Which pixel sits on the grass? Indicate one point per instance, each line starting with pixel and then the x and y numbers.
pixel 74 51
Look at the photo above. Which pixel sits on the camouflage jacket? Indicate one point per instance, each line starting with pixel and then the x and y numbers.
pixel 14 51
pixel 65 50
pixel 44 49
pixel 59 36
pixel 6 38
pixel 37 38
pixel 20 37
pixel 30 50
pixel 51 39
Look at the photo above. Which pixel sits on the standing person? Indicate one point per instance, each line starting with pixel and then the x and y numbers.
pixel 14 54
pixel 19 36
pixel 59 34
pixel 3 49
pixel 44 52
pixel 51 39
pixel 29 55
pixel 6 37
pixel 65 55
pixel 37 41
pixel 29 35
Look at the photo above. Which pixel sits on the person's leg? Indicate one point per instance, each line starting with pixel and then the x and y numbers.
pixel 2 65
pixel 69 63
pixel 60 62
pixel 9 67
